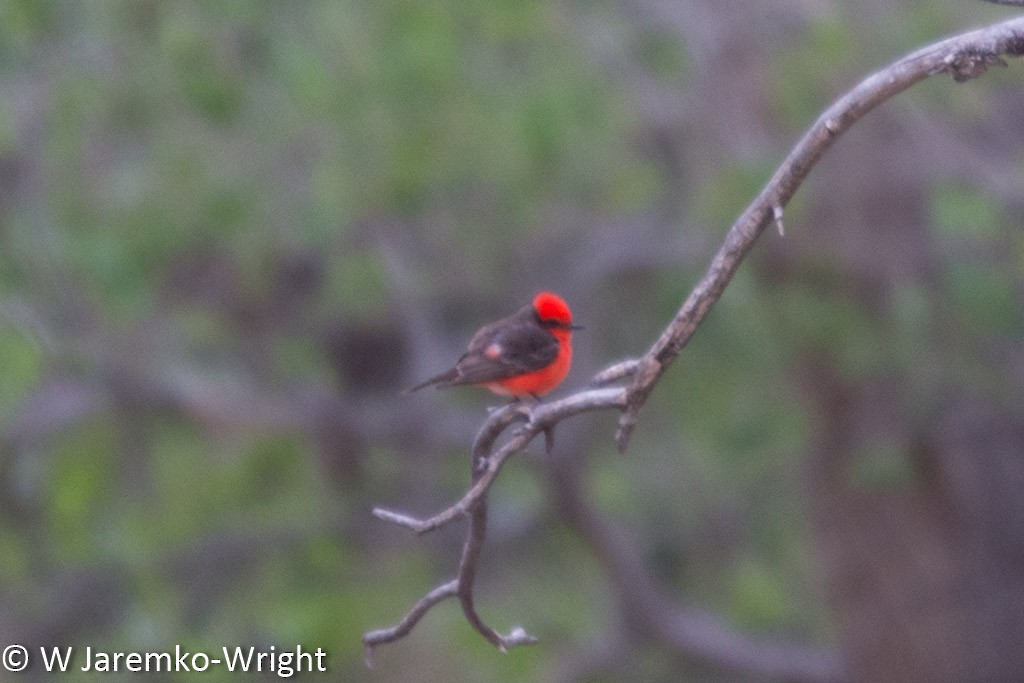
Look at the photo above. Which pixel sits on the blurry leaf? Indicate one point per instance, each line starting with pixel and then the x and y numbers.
pixel 20 370
pixel 356 285
pixel 758 598
pixel 724 197
pixel 663 54
pixel 207 81
pixel 299 357
pixel 78 483
pixel 987 298
pixel 960 212
pixel 15 558
pixel 811 69
pixel 23 23
pixel 880 464
pixel 838 325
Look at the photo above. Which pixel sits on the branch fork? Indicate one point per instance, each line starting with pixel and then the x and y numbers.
pixel 487 463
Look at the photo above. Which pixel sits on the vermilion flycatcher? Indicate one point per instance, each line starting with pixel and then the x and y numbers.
pixel 526 354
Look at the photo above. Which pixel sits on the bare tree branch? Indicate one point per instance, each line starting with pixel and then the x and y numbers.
pixel 385 635
pixel 474 505
pixel 540 418
pixel 963 57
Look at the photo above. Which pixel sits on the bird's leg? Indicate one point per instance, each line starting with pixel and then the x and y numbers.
pixel 549 438
pixel 549 431
pixel 514 400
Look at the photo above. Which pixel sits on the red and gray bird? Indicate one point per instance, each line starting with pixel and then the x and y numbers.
pixel 525 354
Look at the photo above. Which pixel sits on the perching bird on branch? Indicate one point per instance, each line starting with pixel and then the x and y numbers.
pixel 525 354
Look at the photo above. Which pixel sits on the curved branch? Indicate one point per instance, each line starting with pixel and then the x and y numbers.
pixel 474 505
pixel 963 57
pixel 371 639
pixel 541 417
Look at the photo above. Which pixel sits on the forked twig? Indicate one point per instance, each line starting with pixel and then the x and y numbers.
pixel 487 462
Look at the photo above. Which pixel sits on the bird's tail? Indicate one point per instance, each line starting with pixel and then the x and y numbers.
pixel 440 380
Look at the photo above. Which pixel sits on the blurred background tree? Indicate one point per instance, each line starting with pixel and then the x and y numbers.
pixel 231 231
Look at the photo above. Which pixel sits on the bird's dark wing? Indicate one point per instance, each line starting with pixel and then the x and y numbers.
pixel 508 347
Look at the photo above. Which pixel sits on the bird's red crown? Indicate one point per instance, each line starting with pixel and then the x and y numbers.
pixel 552 307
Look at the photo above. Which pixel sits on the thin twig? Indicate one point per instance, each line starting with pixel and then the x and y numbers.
pixel 471 555
pixel 614 373
pixel 539 418
pixel 385 635
pixel 474 505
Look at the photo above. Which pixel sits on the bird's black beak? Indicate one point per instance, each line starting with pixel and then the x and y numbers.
pixel 560 325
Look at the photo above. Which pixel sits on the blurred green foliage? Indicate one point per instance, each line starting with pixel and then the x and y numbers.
pixel 161 162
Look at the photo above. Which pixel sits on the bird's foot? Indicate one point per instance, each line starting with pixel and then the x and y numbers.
pixel 549 431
